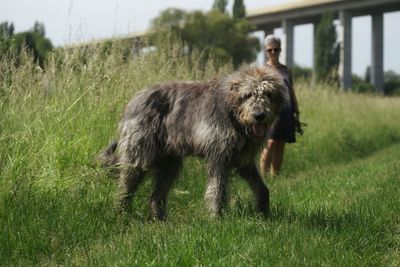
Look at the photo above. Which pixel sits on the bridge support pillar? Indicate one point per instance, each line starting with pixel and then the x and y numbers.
pixel 377 76
pixel 345 30
pixel 314 66
pixel 287 43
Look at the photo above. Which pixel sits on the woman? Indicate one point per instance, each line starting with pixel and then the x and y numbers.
pixel 283 129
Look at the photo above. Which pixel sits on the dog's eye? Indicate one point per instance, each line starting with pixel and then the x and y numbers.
pixel 268 94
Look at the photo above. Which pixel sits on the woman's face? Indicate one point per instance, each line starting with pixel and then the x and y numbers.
pixel 273 49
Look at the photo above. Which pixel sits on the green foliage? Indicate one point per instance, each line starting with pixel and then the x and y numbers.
pixel 392 83
pixel 7 52
pixel 33 41
pixel 7 44
pixel 326 52
pixel 367 75
pixel 239 10
pixel 169 18
pixel 6 29
pixel 302 73
pixel 334 204
pixel 39 29
pixel 361 86
pixel 216 35
pixel 220 5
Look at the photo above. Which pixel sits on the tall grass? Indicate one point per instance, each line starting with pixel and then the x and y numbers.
pixel 336 202
pixel 342 126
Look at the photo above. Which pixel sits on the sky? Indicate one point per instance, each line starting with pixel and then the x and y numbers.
pixel 76 21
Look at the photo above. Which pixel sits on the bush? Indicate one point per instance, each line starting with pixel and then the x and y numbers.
pixel 302 73
pixel 392 83
pixel 361 86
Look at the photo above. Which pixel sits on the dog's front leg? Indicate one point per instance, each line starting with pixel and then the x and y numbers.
pixel 216 193
pixel 251 174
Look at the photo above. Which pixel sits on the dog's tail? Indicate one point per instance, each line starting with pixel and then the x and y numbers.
pixel 107 157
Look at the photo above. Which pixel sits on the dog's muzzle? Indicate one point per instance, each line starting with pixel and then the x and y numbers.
pixel 259 128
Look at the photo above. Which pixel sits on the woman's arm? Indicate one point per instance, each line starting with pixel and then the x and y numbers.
pixel 292 94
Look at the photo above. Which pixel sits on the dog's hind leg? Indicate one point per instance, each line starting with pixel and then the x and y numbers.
pixel 260 190
pixel 166 172
pixel 129 181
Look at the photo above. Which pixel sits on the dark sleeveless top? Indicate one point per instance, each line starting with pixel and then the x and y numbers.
pixel 283 127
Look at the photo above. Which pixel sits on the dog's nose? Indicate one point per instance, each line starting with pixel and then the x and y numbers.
pixel 259 116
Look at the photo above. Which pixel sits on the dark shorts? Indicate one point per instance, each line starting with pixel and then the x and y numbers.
pixel 283 127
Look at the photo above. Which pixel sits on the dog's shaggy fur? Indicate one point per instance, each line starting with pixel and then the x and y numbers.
pixel 224 121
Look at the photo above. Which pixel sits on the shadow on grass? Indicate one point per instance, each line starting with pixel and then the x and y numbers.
pixel 320 219
pixel 344 146
pixel 38 223
pixel 358 229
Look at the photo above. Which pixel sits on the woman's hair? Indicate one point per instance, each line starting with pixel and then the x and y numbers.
pixel 272 38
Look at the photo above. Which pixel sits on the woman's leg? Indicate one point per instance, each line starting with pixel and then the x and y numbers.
pixel 267 155
pixel 277 159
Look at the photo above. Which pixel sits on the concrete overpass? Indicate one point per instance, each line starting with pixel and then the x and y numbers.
pixel 286 16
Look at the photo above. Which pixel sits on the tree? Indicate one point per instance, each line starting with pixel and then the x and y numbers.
pixel 300 72
pixel 392 83
pixel 170 17
pixel 239 10
pixel 326 48
pixel 367 76
pixel 220 5
pixel 39 29
pixel 6 29
pixel 215 33
pixel 7 44
pixel 33 41
pixel 359 85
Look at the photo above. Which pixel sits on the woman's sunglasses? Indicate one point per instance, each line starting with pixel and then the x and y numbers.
pixel 276 50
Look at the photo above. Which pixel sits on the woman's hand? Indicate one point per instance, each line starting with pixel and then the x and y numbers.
pixel 298 124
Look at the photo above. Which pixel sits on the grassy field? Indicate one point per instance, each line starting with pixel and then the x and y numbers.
pixel 336 203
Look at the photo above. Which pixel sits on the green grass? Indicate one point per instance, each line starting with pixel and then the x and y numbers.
pixel 336 202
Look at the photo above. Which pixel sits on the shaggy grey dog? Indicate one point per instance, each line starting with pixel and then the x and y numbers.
pixel 224 121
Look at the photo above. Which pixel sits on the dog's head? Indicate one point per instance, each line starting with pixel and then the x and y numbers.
pixel 256 94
